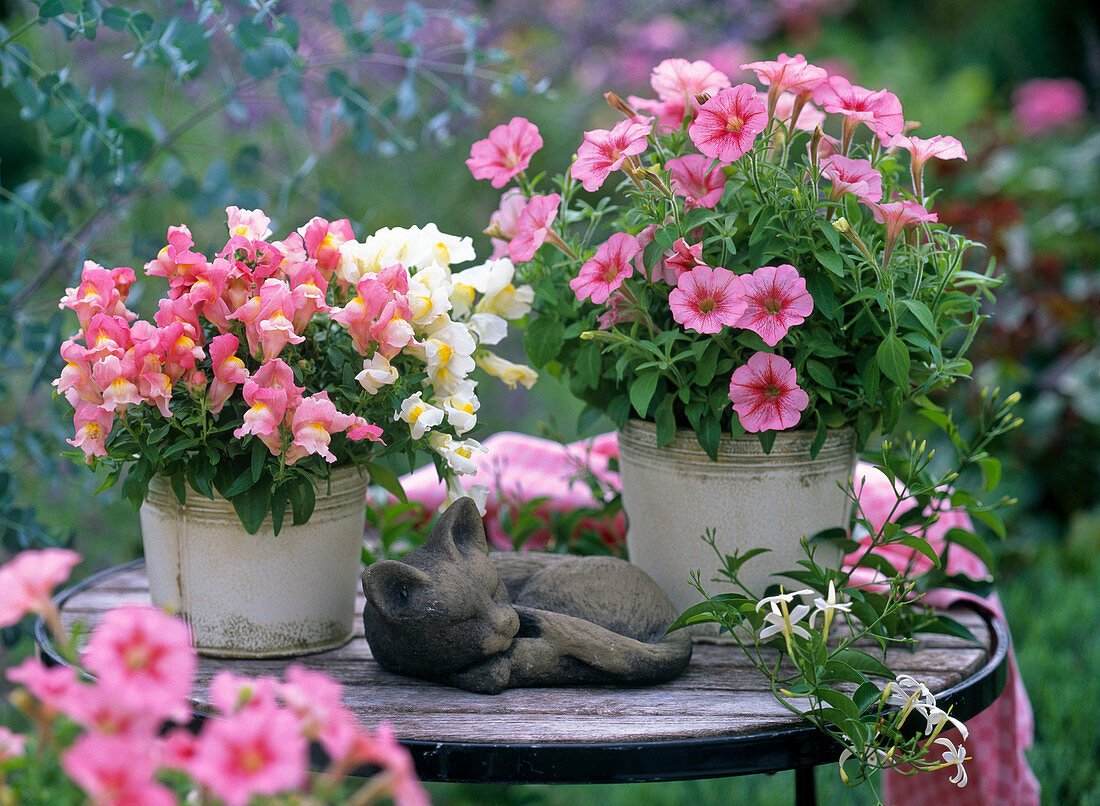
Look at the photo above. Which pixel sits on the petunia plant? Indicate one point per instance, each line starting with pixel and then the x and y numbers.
pixel 737 258
pixel 275 360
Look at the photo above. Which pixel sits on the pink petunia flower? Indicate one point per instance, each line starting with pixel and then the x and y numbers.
pixel 256 751
pixel 691 179
pixel 382 749
pixel 607 269
pixel 55 687
pixel 12 745
pixel 504 221
pixel 775 300
pixel 27 581
pixel 766 394
pixel 619 310
pixel 788 74
pixel 706 300
pixel 115 771
pixel 315 698
pixel 684 257
pixel 880 111
pixel 897 215
pixel 728 123
pixel 857 177
pixel 809 117
pixel 920 151
pixel 144 660
pixel 1046 104
pixel 506 152
pixel 605 151
pixel 677 83
pixel 231 693
pixel 533 227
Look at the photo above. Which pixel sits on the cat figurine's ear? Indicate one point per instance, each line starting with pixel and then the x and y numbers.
pixel 390 587
pixel 460 529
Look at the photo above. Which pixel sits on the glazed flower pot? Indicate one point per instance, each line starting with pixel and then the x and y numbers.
pixel 261 595
pixel 672 495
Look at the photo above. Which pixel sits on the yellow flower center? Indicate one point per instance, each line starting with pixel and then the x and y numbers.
pixel 734 124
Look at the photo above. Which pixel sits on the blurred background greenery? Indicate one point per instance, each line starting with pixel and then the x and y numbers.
pixel 116 124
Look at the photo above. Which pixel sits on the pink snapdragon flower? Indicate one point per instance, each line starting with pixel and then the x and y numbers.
pixel 115 771
pixel 788 74
pixel 775 300
pixel 920 151
pixel 677 83
pixel 533 227
pixel 252 224
pixel 504 221
pixel 207 294
pixel 75 381
pixel 143 659
pixel 323 239
pixel 1042 105
pixel 100 291
pixel 93 425
pixel 315 420
pixel 728 123
pixel 692 179
pixel 255 751
pixel 106 335
pixel 177 262
pixel 607 269
pixel 706 300
pixel 897 215
pixel 27 581
pixel 605 151
pixel 229 370
pixel 506 152
pixel 308 288
pixel 766 394
pixel 268 319
pixel 117 378
pixel 880 111
pixel 857 177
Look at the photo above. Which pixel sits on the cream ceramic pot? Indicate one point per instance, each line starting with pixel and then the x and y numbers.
pixel 672 495
pixel 261 595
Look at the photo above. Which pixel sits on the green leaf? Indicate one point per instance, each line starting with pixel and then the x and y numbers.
pixel 709 434
pixel 665 418
pixel 921 545
pixel 840 702
pixel 178 487
pixel 821 374
pixel 543 339
pixel 863 662
pixel 708 363
pixel 992 520
pixel 922 314
pixel 767 439
pixel 866 695
pixel 831 261
pixel 387 479
pixel 641 392
pixel 252 507
pixel 991 472
pixel 973 543
pixel 302 500
pixel 240 484
pixel 892 357
pixel 838 670
pixel 259 454
pixel 589 365
pixel 278 509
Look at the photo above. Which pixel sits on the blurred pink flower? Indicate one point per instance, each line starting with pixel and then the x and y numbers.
pixel 28 579
pixel 766 394
pixel 706 300
pixel 256 751
pixel 115 771
pixel 679 79
pixel 605 271
pixel 533 226
pixel 854 176
pixel 11 744
pixel 53 686
pixel 728 123
pixel 775 300
pixel 506 152
pixel 231 693
pixel 315 698
pixel 880 111
pixel 920 151
pixel 1046 104
pixel 604 151
pixel 690 178
pixel 381 749
pixel 144 659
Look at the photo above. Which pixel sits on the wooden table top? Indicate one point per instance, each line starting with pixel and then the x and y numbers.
pixel 718 718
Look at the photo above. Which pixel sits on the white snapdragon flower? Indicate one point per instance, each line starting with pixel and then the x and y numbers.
pixel 428 245
pixel 377 372
pixel 419 415
pixel 489 328
pixel 461 407
pixel 429 296
pixel 447 355
pixel 493 280
pixel 459 455
pixel 507 371
pixel 478 492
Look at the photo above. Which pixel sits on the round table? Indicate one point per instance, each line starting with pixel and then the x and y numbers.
pixel 717 719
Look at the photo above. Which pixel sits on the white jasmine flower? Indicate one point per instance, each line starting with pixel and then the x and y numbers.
pixel 785 598
pixel 954 755
pixel 419 415
pixel 828 606
pixel 938 720
pixel 508 372
pixel 377 372
pixel 781 621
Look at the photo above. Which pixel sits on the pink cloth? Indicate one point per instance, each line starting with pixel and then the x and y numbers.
pixel 519 468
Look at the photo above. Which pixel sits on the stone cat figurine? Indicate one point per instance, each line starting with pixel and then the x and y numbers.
pixel 453 613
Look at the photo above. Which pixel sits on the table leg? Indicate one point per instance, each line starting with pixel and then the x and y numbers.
pixel 804 792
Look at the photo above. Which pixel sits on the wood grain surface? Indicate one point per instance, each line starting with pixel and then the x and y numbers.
pixel 720 694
